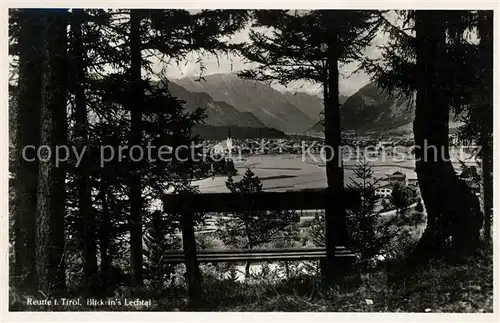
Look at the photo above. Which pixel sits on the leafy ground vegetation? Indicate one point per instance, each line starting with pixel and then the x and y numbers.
pixel 389 285
pixel 437 287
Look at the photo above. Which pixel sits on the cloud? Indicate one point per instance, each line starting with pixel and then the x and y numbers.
pixel 191 66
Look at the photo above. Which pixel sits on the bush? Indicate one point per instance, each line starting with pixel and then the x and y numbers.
pixel 248 230
pixel 368 235
pixel 420 205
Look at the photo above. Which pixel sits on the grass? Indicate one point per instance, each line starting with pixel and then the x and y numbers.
pixel 435 287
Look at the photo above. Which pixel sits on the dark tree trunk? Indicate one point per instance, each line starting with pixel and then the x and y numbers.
pixel 51 177
pixel 86 211
pixel 28 134
pixel 453 213
pixel 135 139
pixel 486 112
pixel 193 274
pixel 246 219
pixel 104 233
pixel 247 270
pixel 335 216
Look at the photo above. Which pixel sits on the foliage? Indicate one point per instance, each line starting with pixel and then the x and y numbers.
pixel 309 45
pixel 471 173
pixel 251 229
pixel 159 237
pixel 433 54
pixel 420 206
pixel 100 55
pixel 221 166
pixel 369 236
pixel 402 198
pixel 297 47
pixel 436 288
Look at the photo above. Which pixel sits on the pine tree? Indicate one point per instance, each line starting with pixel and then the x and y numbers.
pixel 26 33
pixel 425 57
pixel 449 200
pixel 401 200
pixel 51 197
pixel 251 229
pixel 368 235
pixel 97 209
pixel 485 31
pixel 86 211
pixel 310 46
pixel 156 242
pixel 135 107
pixel 477 88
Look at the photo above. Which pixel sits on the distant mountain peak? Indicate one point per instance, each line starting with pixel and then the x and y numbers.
pixel 218 113
pixel 371 109
pixel 269 105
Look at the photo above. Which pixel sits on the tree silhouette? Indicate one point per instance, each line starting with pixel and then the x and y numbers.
pixel 424 57
pixel 251 229
pixel 310 45
pixel 26 27
pixel 51 196
pixel 90 107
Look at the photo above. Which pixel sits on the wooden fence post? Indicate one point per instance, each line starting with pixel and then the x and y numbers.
pixel 322 268
pixel 192 270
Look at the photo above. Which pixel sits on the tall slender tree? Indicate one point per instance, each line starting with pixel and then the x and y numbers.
pixel 27 29
pixel 121 107
pixel 50 242
pixel 475 86
pixel 421 58
pixel 310 45
pixel 86 211
pixel 136 102
pixel 203 30
pixel 485 32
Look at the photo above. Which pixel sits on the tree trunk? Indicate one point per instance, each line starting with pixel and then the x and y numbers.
pixel 51 177
pixel 135 139
pixel 485 29
pixel 193 276
pixel 335 216
pixel 28 134
pixel 246 219
pixel 104 235
pixel 86 211
pixel 453 213
pixel 247 270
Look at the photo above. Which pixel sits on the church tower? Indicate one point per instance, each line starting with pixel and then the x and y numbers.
pixel 229 141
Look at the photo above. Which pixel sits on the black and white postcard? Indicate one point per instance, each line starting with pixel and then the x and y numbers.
pixel 185 161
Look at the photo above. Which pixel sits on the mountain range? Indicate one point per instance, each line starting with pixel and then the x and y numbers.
pixel 370 109
pixel 219 113
pixel 231 101
pixel 269 105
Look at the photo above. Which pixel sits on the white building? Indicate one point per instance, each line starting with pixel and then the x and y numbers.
pixel 383 191
pixel 224 147
pixel 412 180
pixel 397 178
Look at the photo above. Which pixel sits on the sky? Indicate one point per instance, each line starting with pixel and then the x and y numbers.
pixel 190 67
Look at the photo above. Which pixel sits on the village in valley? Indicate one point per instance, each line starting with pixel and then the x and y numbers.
pixel 392 155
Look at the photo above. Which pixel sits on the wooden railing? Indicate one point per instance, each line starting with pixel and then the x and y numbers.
pixel 187 204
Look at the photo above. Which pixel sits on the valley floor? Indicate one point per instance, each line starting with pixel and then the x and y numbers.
pixel 287 172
